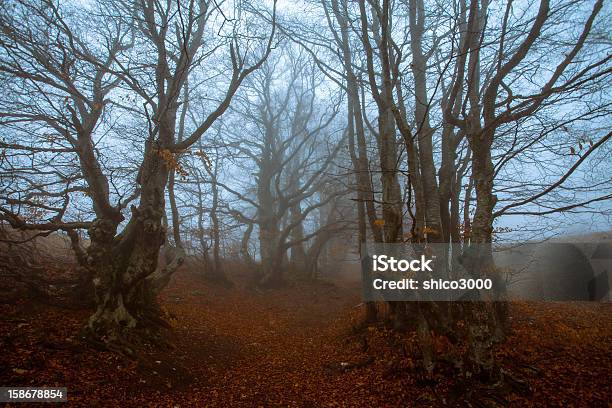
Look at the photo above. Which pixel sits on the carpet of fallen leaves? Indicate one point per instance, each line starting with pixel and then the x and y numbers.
pixel 296 346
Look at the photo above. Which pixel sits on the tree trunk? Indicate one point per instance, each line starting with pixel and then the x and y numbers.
pixel 424 133
pixel 122 264
pixel 356 126
pixel 215 272
pixel 391 194
pixel 371 311
pixel 271 255
pixel 298 254
pixel 387 146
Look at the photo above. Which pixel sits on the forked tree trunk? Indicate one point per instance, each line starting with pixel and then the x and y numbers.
pixel 123 264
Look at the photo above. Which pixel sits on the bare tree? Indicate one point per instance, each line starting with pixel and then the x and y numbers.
pixel 172 41
pixel 288 127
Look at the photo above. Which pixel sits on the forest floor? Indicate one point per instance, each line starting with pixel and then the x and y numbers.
pixel 298 346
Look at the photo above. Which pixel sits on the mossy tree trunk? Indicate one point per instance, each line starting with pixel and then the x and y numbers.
pixel 124 265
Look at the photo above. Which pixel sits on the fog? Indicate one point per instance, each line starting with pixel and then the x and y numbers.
pixel 258 146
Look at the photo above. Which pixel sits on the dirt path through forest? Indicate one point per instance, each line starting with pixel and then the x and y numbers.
pixel 261 347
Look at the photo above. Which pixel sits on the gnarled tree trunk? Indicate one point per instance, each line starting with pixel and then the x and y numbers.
pixel 123 264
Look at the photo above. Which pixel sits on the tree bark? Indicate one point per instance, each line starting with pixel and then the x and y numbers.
pixel 122 264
